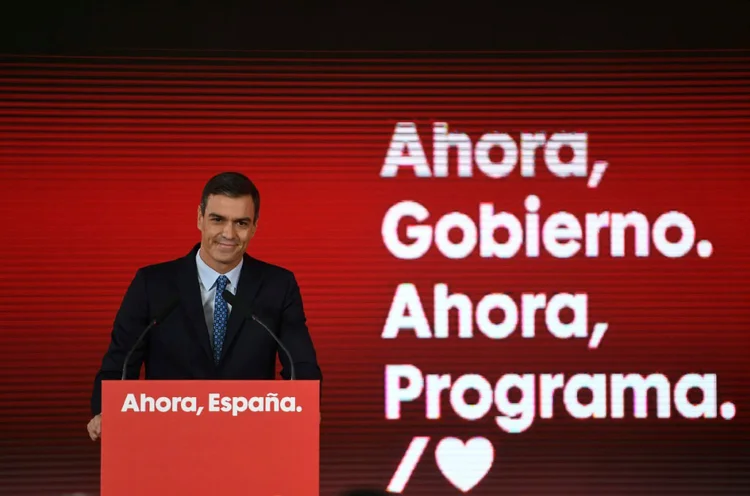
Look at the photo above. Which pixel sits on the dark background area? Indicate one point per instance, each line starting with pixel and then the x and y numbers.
pixel 95 27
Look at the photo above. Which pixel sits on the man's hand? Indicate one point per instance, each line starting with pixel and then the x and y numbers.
pixel 95 427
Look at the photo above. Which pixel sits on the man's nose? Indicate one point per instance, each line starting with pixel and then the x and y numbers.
pixel 228 231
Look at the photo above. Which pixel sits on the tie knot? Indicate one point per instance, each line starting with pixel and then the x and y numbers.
pixel 221 283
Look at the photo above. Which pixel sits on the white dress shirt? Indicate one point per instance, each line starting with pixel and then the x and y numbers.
pixel 207 278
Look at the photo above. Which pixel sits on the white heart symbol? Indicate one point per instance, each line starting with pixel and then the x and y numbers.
pixel 464 465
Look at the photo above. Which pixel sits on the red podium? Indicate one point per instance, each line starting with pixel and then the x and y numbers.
pixel 210 438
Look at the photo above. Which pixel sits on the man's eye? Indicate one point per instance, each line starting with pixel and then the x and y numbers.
pixel 243 224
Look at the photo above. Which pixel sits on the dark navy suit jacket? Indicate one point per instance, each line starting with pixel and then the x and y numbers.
pixel 179 347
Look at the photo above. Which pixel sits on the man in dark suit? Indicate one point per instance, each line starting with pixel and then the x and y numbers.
pixel 203 338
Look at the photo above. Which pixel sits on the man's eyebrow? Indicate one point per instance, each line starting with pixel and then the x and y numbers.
pixel 221 217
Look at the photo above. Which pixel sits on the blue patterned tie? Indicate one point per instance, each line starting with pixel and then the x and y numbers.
pixel 221 312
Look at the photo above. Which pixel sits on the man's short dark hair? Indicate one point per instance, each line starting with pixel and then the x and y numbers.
pixel 365 492
pixel 233 185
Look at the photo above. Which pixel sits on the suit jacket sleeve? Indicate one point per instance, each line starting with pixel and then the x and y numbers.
pixel 294 334
pixel 130 321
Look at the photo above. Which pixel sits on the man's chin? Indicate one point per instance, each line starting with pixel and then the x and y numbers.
pixel 225 254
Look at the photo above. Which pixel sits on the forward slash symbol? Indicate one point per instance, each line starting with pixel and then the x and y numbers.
pixel 408 464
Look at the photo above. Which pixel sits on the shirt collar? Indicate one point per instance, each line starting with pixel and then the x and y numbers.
pixel 208 276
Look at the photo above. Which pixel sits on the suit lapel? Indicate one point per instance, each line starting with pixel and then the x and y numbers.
pixel 190 297
pixel 248 286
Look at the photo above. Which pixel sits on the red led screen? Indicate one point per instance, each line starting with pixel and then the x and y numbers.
pixel 541 256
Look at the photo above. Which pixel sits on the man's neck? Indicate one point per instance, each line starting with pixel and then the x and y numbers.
pixel 219 267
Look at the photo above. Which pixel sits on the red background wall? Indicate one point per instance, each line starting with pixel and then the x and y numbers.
pixel 103 161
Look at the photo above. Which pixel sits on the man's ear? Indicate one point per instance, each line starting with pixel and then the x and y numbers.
pixel 198 221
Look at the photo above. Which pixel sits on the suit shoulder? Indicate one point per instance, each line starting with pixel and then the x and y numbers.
pixel 160 269
pixel 270 270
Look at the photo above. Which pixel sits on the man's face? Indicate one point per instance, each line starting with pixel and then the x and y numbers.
pixel 227 226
